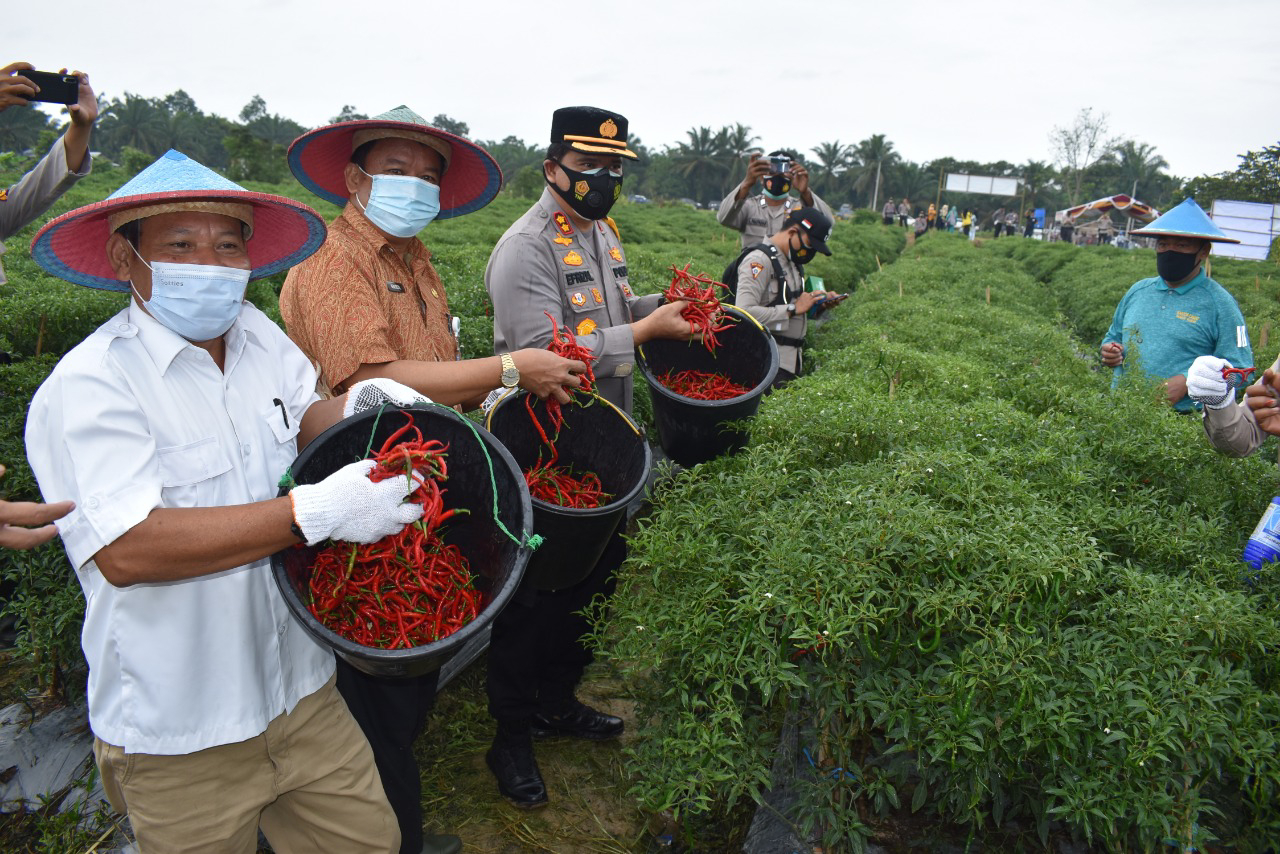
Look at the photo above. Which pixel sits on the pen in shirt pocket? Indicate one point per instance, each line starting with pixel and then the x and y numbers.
pixel 284 413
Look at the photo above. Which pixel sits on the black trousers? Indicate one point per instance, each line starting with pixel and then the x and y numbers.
pixel 392 713
pixel 536 652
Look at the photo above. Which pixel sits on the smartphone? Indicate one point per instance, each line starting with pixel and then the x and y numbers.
pixel 54 88
pixel 779 164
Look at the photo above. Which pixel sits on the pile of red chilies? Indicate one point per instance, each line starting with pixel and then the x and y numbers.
pixel 547 481
pixel 407 589
pixel 703 308
pixel 701 385
pixel 704 316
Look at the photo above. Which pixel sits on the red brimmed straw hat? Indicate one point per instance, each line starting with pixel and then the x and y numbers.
pixel 319 158
pixel 74 246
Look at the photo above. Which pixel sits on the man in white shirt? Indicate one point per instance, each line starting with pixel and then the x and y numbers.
pixel 214 712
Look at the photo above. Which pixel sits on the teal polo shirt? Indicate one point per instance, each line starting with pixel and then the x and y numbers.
pixel 1167 328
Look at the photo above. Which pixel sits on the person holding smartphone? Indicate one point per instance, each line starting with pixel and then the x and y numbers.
pixel 760 216
pixel 771 285
pixel 67 161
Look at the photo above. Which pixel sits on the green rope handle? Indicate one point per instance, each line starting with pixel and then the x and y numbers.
pixel 533 541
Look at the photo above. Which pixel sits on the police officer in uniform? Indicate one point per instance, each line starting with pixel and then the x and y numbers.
pixel 564 257
pixel 760 216
pixel 780 303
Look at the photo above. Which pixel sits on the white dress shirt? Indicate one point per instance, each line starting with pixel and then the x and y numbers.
pixel 135 418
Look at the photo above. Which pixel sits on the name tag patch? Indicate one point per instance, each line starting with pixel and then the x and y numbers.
pixel 620 272
pixel 395 287
pixel 578 277
pixel 1191 318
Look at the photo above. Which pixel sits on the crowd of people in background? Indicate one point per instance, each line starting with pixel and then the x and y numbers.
pixel 967 221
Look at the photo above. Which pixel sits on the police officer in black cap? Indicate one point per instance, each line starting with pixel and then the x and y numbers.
pixel 564 257
pixel 771 285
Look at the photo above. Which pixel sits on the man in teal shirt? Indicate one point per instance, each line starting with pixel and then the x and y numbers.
pixel 1169 320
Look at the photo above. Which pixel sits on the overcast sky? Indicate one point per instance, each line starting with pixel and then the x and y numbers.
pixel 974 80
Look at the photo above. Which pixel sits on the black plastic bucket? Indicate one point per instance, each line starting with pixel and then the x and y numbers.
pixel 497 561
pixel 597 437
pixel 694 431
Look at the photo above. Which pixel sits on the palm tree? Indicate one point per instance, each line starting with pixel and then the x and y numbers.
pixel 737 141
pixel 135 121
pixel 916 181
pixel 873 155
pixel 1035 177
pixel 1139 165
pixel 20 129
pixel 700 161
pixel 834 158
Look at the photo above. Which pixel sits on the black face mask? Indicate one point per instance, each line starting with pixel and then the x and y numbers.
pixel 800 255
pixel 590 195
pixel 777 185
pixel 1176 266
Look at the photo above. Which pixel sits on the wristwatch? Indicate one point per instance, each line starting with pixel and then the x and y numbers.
pixel 791 309
pixel 510 373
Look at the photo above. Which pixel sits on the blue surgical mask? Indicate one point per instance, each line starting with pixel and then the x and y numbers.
pixel 401 205
pixel 197 301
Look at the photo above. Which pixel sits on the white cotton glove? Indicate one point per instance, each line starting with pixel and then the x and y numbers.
pixel 346 505
pixel 1205 383
pixel 367 394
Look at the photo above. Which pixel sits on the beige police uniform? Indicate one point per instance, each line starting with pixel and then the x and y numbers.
pixel 757 287
pixel 1233 430
pixel 757 219
pixel 545 263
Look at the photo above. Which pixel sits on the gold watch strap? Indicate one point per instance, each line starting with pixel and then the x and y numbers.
pixel 509 368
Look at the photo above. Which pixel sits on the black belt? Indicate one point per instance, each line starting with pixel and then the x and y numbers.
pixel 791 342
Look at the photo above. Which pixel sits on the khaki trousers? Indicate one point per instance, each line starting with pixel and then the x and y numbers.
pixel 309 781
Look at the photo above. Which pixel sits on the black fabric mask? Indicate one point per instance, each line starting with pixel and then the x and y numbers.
pixel 590 195
pixel 1176 266
pixel 777 185
pixel 800 255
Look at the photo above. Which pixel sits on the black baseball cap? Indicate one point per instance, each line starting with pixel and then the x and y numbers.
pixel 591 129
pixel 812 222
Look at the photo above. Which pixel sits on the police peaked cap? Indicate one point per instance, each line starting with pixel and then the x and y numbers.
pixel 591 129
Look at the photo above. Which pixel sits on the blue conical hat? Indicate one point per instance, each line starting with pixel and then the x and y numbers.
pixel 1186 220
pixel 74 246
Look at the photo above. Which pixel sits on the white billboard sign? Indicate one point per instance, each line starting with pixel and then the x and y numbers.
pixel 1254 225
pixel 958 182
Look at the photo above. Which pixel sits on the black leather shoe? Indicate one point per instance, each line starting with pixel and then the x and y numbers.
pixel 441 844
pixel 581 722
pixel 519 779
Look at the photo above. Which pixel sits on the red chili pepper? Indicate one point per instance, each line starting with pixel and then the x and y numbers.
pixel 377 594
pixel 701 385
pixel 559 485
pixel 703 307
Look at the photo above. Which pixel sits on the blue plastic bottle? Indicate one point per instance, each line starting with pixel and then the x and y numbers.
pixel 1264 542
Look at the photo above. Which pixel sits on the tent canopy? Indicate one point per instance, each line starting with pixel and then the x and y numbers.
pixel 1098 207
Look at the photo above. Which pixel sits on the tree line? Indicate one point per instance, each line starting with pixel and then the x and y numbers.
pixel 702 168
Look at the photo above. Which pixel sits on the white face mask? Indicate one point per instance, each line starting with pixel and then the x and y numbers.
pixel 401 205
pixel 197 301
